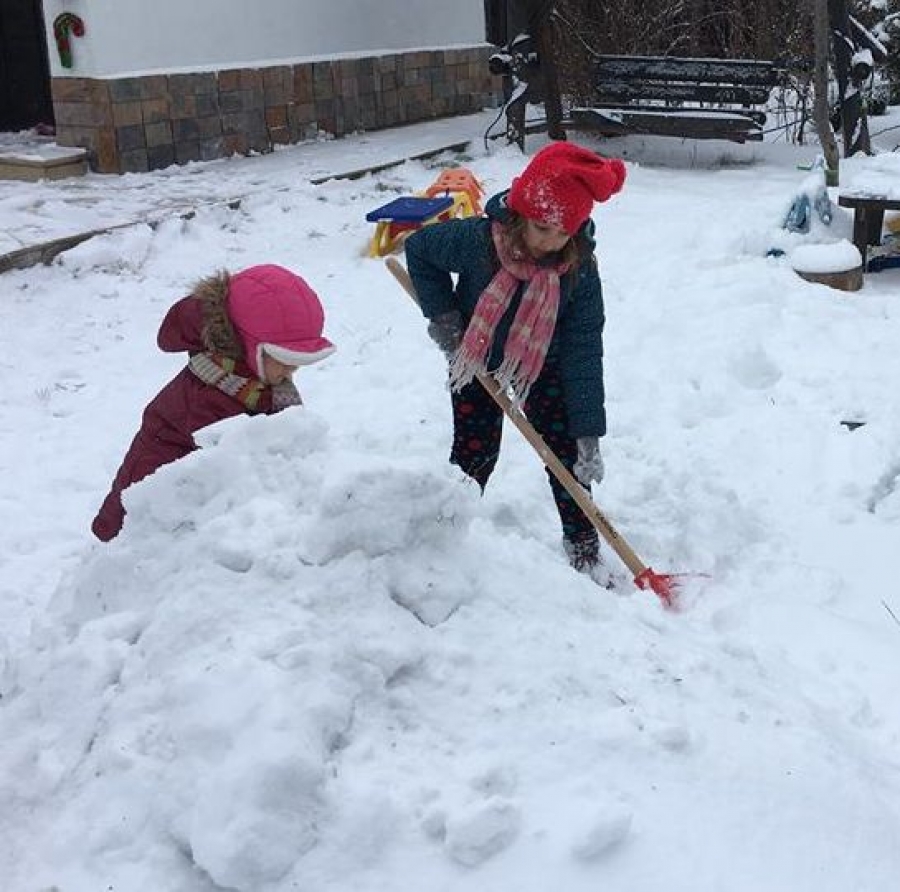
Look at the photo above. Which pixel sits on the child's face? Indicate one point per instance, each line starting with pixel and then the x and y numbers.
pixel 275 372
pixel 541 239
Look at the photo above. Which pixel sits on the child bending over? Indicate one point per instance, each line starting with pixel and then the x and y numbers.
pixel 246 334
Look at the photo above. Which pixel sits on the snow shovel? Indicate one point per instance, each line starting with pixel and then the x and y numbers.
pixel 663 584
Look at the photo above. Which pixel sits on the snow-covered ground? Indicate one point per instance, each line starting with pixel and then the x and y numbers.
pixel 316 659
pixel 32 214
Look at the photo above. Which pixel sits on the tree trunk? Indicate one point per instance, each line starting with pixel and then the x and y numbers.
pixel 853 117
pixel 544 33
pixel 820 92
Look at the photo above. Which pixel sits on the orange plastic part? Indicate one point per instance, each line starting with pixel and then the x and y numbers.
pixel 459 179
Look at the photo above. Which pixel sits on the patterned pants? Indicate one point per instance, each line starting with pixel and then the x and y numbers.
pixel 478 426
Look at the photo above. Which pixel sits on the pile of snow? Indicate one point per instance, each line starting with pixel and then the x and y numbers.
pixel 829 258
pixel 872 175
pixel 289 674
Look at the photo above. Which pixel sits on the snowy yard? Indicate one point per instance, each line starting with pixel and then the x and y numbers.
pixel 316 659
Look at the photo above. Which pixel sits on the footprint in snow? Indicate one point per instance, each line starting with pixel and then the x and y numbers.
pixel 475 834
pixel 606 833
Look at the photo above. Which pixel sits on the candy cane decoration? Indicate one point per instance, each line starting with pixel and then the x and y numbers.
pixel 65 24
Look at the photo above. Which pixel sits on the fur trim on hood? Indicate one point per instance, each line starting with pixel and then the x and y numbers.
pixel 218 333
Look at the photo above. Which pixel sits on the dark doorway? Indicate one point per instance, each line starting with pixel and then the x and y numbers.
pixel 24 68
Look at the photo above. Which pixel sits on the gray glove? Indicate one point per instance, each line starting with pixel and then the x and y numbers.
pixel 446 330
pixel 589 464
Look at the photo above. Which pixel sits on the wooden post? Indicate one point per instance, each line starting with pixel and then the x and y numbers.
pixel 543 32
pixel 853 117
pixel 820 87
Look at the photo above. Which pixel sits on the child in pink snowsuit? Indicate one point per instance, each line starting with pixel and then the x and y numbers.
pixel 246 334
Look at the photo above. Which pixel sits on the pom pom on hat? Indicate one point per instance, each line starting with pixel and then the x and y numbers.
pixel 561 183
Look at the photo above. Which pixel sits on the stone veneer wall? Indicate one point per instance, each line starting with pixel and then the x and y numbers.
pixel 144 123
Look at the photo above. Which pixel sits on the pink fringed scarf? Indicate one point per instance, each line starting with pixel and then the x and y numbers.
pixel 532 328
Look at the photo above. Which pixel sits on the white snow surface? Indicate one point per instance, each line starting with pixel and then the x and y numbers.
pixel 317 659
pixel 878 176
pixel 828 258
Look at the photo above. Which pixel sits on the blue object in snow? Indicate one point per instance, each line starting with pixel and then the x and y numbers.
pixel 410 209
pixel 822 204
pixel 797 219
pixel 799 216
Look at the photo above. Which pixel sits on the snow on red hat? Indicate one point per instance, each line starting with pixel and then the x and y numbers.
pixel 276 312
pixel 561 183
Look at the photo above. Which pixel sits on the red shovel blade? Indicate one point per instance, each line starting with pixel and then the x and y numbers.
pixel 661 584
pixel 665 585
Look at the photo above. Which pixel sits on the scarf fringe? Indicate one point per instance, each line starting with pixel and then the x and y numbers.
pixel 514 376
pixel 463 369
pixel 511 375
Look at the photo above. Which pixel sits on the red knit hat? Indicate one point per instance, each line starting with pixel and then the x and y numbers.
pixel 561 184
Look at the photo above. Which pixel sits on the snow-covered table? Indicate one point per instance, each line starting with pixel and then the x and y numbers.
pixel 868 217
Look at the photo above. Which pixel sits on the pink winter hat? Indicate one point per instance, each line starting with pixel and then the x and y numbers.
pixel 561 184
pixel 276 312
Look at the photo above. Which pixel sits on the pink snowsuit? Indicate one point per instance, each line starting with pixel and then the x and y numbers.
pixel 230 316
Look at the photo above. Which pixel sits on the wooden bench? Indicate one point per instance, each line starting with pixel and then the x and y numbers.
pixel 868 218
pixel 682 97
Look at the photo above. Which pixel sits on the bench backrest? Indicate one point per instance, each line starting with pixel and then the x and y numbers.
pixel 733 81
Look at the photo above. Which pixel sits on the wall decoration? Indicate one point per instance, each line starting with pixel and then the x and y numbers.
pixel 65 25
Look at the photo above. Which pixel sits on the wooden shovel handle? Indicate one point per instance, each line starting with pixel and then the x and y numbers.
pixel 597 518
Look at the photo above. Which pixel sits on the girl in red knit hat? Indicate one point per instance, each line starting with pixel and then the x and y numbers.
pixel 246 334
pixel 527 307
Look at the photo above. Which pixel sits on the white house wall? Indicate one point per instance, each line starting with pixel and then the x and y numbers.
pixel 131 37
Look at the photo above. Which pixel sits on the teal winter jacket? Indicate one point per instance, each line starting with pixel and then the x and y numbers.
pixel 434 254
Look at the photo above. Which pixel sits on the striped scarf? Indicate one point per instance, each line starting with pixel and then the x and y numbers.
pixel 218 371
pixel 532 328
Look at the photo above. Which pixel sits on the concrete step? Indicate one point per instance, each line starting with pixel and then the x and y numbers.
pixel 41 161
